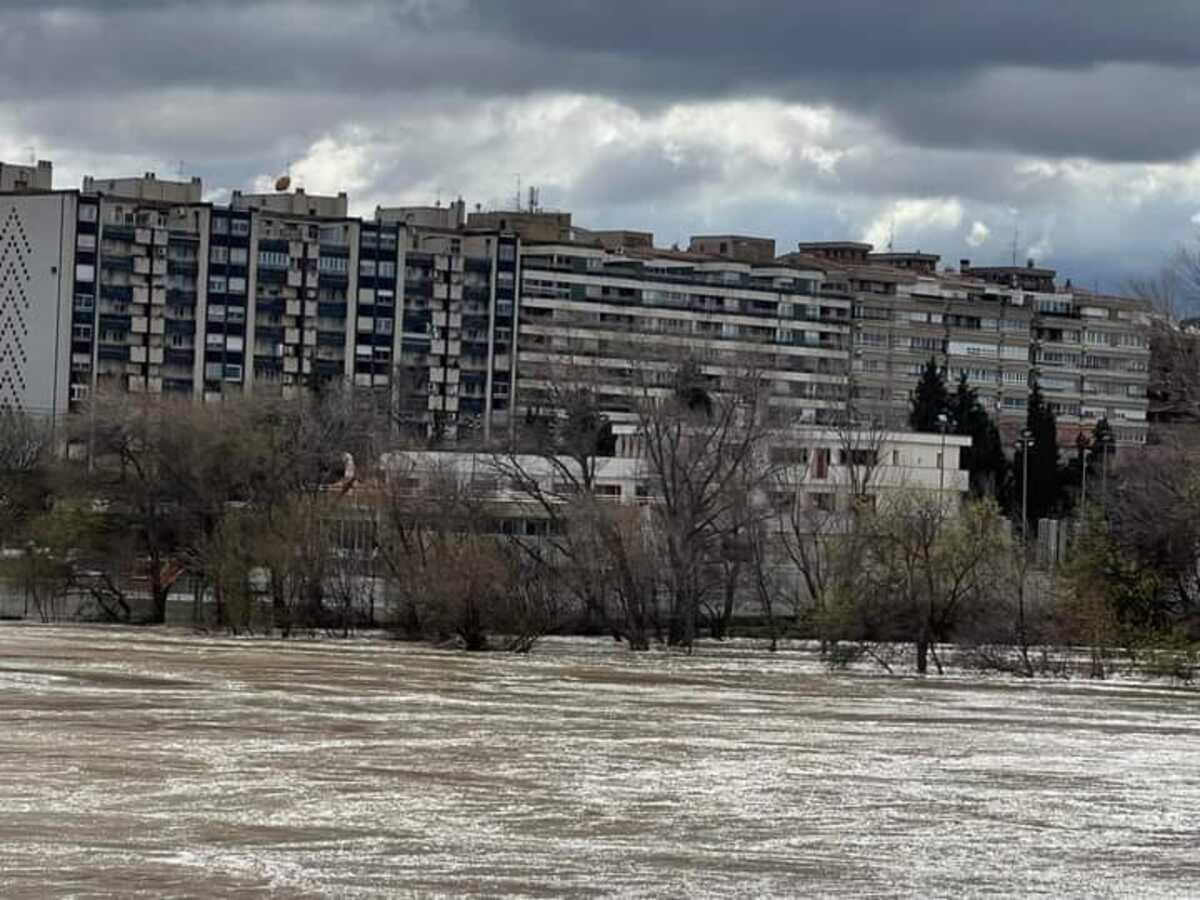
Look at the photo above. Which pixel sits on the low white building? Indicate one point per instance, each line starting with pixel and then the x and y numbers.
pixel 823 467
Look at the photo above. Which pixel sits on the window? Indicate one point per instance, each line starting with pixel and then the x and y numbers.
pixel 220 225
pixel 238 256
pixel 789 456
pixel 383 326
pixel 87 212
pixel 217 284
pixel 81 332
pixel 219 254
pixel 926 343
pixel 237 285
pixel 233 372
pixel 216 314
pixel 387 270
pixel 272 259
pixel 85 273
pixel 821 469
pixel 336 264
pixel 239 227
pixel 87 242
pixel 506 252
pixel 857 457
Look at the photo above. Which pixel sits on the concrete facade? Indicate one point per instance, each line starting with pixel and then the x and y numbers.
pixel 37 256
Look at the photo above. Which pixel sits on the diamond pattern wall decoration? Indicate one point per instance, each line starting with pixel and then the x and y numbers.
pixel 15 287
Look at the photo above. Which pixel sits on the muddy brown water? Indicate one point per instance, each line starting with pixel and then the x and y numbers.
pixel 155 764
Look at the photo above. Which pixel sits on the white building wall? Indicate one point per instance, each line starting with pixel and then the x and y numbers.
pixel 37 242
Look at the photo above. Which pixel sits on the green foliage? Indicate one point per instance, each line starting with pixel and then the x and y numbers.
pixel 984 459
pixel 930 399
pixel 1045 494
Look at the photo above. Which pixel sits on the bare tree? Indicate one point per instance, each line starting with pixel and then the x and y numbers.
pixel 25 455
pixel 697 446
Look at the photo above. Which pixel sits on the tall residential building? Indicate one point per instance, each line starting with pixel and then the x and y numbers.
pixel 136 284
pixel 465 322
pixel 1090 352
pixel 906 312
pixel 622 321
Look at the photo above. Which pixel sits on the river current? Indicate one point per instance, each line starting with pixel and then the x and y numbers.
pixel 151 763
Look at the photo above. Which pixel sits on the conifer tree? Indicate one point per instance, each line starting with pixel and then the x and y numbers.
pixel 984 459
pixel 1045 482
pixel 929 400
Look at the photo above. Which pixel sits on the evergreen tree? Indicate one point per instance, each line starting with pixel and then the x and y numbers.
pixel 984 459
pixel 929 400
pixel 1045 481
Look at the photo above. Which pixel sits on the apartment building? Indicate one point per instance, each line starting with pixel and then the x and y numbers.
pixel 906 312
pixel 136 284
pixel 1089 352
pixel 466 322
pixel 621 321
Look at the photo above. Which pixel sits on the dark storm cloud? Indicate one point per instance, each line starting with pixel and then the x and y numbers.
pixel 1108 79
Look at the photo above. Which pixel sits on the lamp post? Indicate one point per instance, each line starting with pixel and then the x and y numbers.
pixel 943 423
pixel 1024 442
pixel 1105 440
pixel 1085 451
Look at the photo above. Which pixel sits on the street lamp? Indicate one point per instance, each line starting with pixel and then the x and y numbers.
pixel 1024 442
pixel 943 424
pixel 1085 451
pixel 1105 439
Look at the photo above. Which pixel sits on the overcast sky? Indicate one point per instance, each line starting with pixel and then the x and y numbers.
pixel 1073 125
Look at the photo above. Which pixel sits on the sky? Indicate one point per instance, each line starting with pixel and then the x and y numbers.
pixel 1066 131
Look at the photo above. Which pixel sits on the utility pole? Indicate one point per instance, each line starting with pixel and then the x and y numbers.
pixel 1023 444
pixel 943 424
pixel 1105 439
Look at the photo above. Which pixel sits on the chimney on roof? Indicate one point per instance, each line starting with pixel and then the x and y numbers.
pixel 1029 263
pixel 964 264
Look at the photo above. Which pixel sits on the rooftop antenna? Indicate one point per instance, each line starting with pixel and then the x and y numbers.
pixel 892 234
pixel 32 154
pixel 179 170
pixel 534 198
pixel 517 206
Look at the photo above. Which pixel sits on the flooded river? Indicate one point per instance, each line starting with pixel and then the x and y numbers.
pixel 144 763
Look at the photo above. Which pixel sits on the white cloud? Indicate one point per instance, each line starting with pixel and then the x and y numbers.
pixel 907 218
pixel 978 234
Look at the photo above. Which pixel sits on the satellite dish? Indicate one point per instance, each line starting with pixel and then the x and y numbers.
pixel 283 182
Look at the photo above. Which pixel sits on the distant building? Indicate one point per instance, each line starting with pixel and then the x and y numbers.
pixel 38 177
pixel 466 322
